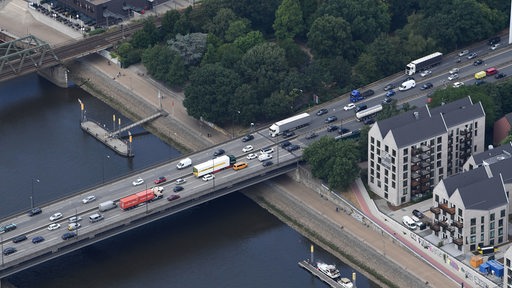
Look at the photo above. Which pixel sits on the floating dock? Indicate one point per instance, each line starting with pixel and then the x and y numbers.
pixel 313 270
pixel 97 131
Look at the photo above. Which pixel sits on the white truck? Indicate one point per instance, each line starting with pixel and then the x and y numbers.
pixel 107 205
pixel 288 124
pixel 184 163
pixel 424 63
pixel 409 84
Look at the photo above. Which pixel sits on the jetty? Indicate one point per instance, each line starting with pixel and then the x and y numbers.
pixel 313 270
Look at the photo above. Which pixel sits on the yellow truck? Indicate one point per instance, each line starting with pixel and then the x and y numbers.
pixel 480 75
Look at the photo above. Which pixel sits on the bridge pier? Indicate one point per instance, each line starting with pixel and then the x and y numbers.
pixel 58 75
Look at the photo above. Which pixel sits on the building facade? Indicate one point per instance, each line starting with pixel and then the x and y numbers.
pixel 410 153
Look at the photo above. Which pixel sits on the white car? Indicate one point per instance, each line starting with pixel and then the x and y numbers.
pixel 74 219
pixel 180 181
pixel 463 53
pixel 88 199
pixel 349 106
pixel 138 182
pixel 73 226
pixel 426 73
pixel 56 216
pixel 453 76
pixel 247 148
pixel 252 156
pixel 267 150
pixel 454 71
pixel 53 226
pixel 264 157
pixel 458 84
pixel 208 177
pixel 495 46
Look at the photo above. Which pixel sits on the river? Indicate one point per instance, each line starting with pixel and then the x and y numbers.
pixel 228 242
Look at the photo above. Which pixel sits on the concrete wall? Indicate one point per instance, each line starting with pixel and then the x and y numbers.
pixel 58 75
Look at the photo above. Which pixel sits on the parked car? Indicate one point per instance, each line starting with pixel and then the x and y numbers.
pixel 37 239
pixel 389 87
pixel 349 106
pixel 247 148
pixel 56 216
pixel 53 226
pixel 472 55
pixel 426 86
pixel 252 156
pixel 478 62
pixel 173 197
pixel 267 163
pixel 138 182
pixel 160 179
pixel 88 199
pixel 68 235
pixel 453 76
pixel 177 188
pixel 322 112
pixel 247 137
pixel 180 181
pixel 219 152
pixel 331 119
pixel 426 73
pixel 417 213
pixel 208 177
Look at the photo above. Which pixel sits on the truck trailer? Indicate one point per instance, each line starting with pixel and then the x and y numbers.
pixel 424 63
pixel 214 165
pixel 140 197
pixel 107 205
pixel 368 113
pixel 288 124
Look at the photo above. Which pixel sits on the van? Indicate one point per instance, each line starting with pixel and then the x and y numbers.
pixel 95 217
pixel 264 157
pixel 409 223
pixel 480 75
pixel 184 163
pixel 240 166
pixel 491 71
pixel 409 84
pixel 107 205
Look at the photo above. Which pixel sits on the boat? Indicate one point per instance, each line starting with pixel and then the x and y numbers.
pixel 329 270
pixel 345 282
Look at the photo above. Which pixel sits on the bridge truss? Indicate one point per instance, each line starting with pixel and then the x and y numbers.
pixel 22 52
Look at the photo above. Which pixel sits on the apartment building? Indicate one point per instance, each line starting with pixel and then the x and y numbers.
pixel 410 153
pixel 471 209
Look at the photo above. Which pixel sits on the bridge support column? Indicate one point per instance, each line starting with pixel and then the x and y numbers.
pixel 58 75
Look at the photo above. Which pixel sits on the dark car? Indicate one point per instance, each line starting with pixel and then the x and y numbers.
pixel 287 134
pixel 390 93
pixel 343 130
pixel 285 144
pixel 9 250
pixel 178 188
pixel 37 239
pixel 248 137
pixel 8 227
pixel 267 163
pixel 369 121
pixel 361 107
pixel 219 152
pixel 331 119
pixel 322 112
pixel 34 211
pixel 426 86
pixel 417 213
pixel 500 75
pixel 387 100
pixel 332 128
pixel 478 62
pixel 69 235
pixel 292 148
pixel 19 239
pixel 408 78
pixel 160 179
pixel 389 87
pixel 479 82
pixel 173 197
pixel 311 136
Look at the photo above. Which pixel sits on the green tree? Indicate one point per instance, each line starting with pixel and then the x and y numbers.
pixel 191 47
pixel 249 40
pixel 168 23
pixel 295 56
pixel 236 29
pixel 329 37
pixel 288 22
pixel 128 55
pixel 210 92
pixel 220 23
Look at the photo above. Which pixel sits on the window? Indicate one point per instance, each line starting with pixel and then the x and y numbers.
pixel 439 147
pixel 492 225
pixel 386 188
pixel 437 198
pixel 473 220
pixel 459 212
pixel 476 125
pixel 500 231
pixel 476 134
pixel 482 219
pixel 500 223
pixel 406 159
pixel 406 151
pixel 439 139
pixel 441 170
pixel 475 147
pixel 386 195
pixel 372 179
pixel 473 240
pixel 405 175
pixel 406 167
pixel 472 230
pixel 491 234
pixel 372 172
pixel 438 164
pixel 492 217
pixel 502 213
pixel 372 140
pixel 404 183
pixel 482 237
pixel 393 185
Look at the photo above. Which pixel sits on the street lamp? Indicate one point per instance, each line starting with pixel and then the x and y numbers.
pixel 252 127
pixel 103 167
pixel 32 193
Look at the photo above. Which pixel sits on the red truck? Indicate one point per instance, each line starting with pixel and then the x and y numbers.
pixel 133 200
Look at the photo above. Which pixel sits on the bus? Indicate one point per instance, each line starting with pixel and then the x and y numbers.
pixel 368 113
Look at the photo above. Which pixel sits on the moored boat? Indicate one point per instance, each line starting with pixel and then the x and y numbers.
pixel 345 282
pixel 328 269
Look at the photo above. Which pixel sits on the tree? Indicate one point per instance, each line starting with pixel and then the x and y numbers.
pixel 329 37
pixel 191 47
pixel 288 22
pixel 168 23
pixel 249 40
pixel 221 22
pixel 210 92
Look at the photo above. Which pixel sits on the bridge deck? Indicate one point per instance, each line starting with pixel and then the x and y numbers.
pixel 100 133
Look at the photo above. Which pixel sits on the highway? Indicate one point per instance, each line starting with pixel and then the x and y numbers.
pixel 28 253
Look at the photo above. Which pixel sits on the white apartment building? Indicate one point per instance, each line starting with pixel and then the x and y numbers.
pixel 410 153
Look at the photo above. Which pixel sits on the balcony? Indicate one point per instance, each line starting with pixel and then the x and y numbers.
pixel 447 209
pixel 443 224
pixel 415 168
pixel 458 241
pixel 435 227
pixel 415 159
pixel 435 210
pixel 451 229
pixel 458 224
pixel 415 183
pixel 415 176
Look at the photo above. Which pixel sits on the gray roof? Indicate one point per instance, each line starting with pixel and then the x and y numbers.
pixel 484 195
pixel 468 178
pixel 424 123
pixel 503 167
pixel 494 155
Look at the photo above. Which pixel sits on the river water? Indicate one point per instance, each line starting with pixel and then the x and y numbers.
pixel 228 242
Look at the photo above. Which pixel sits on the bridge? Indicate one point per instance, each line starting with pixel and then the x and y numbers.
pixel 29 54
pixel 116 221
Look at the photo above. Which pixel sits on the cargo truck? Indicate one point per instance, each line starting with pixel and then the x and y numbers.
pixel 424 63
pixel 214 165
pixel 134 200
pixel 184 163
pixel 107 205
pixel 288 124
pixel 356 96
